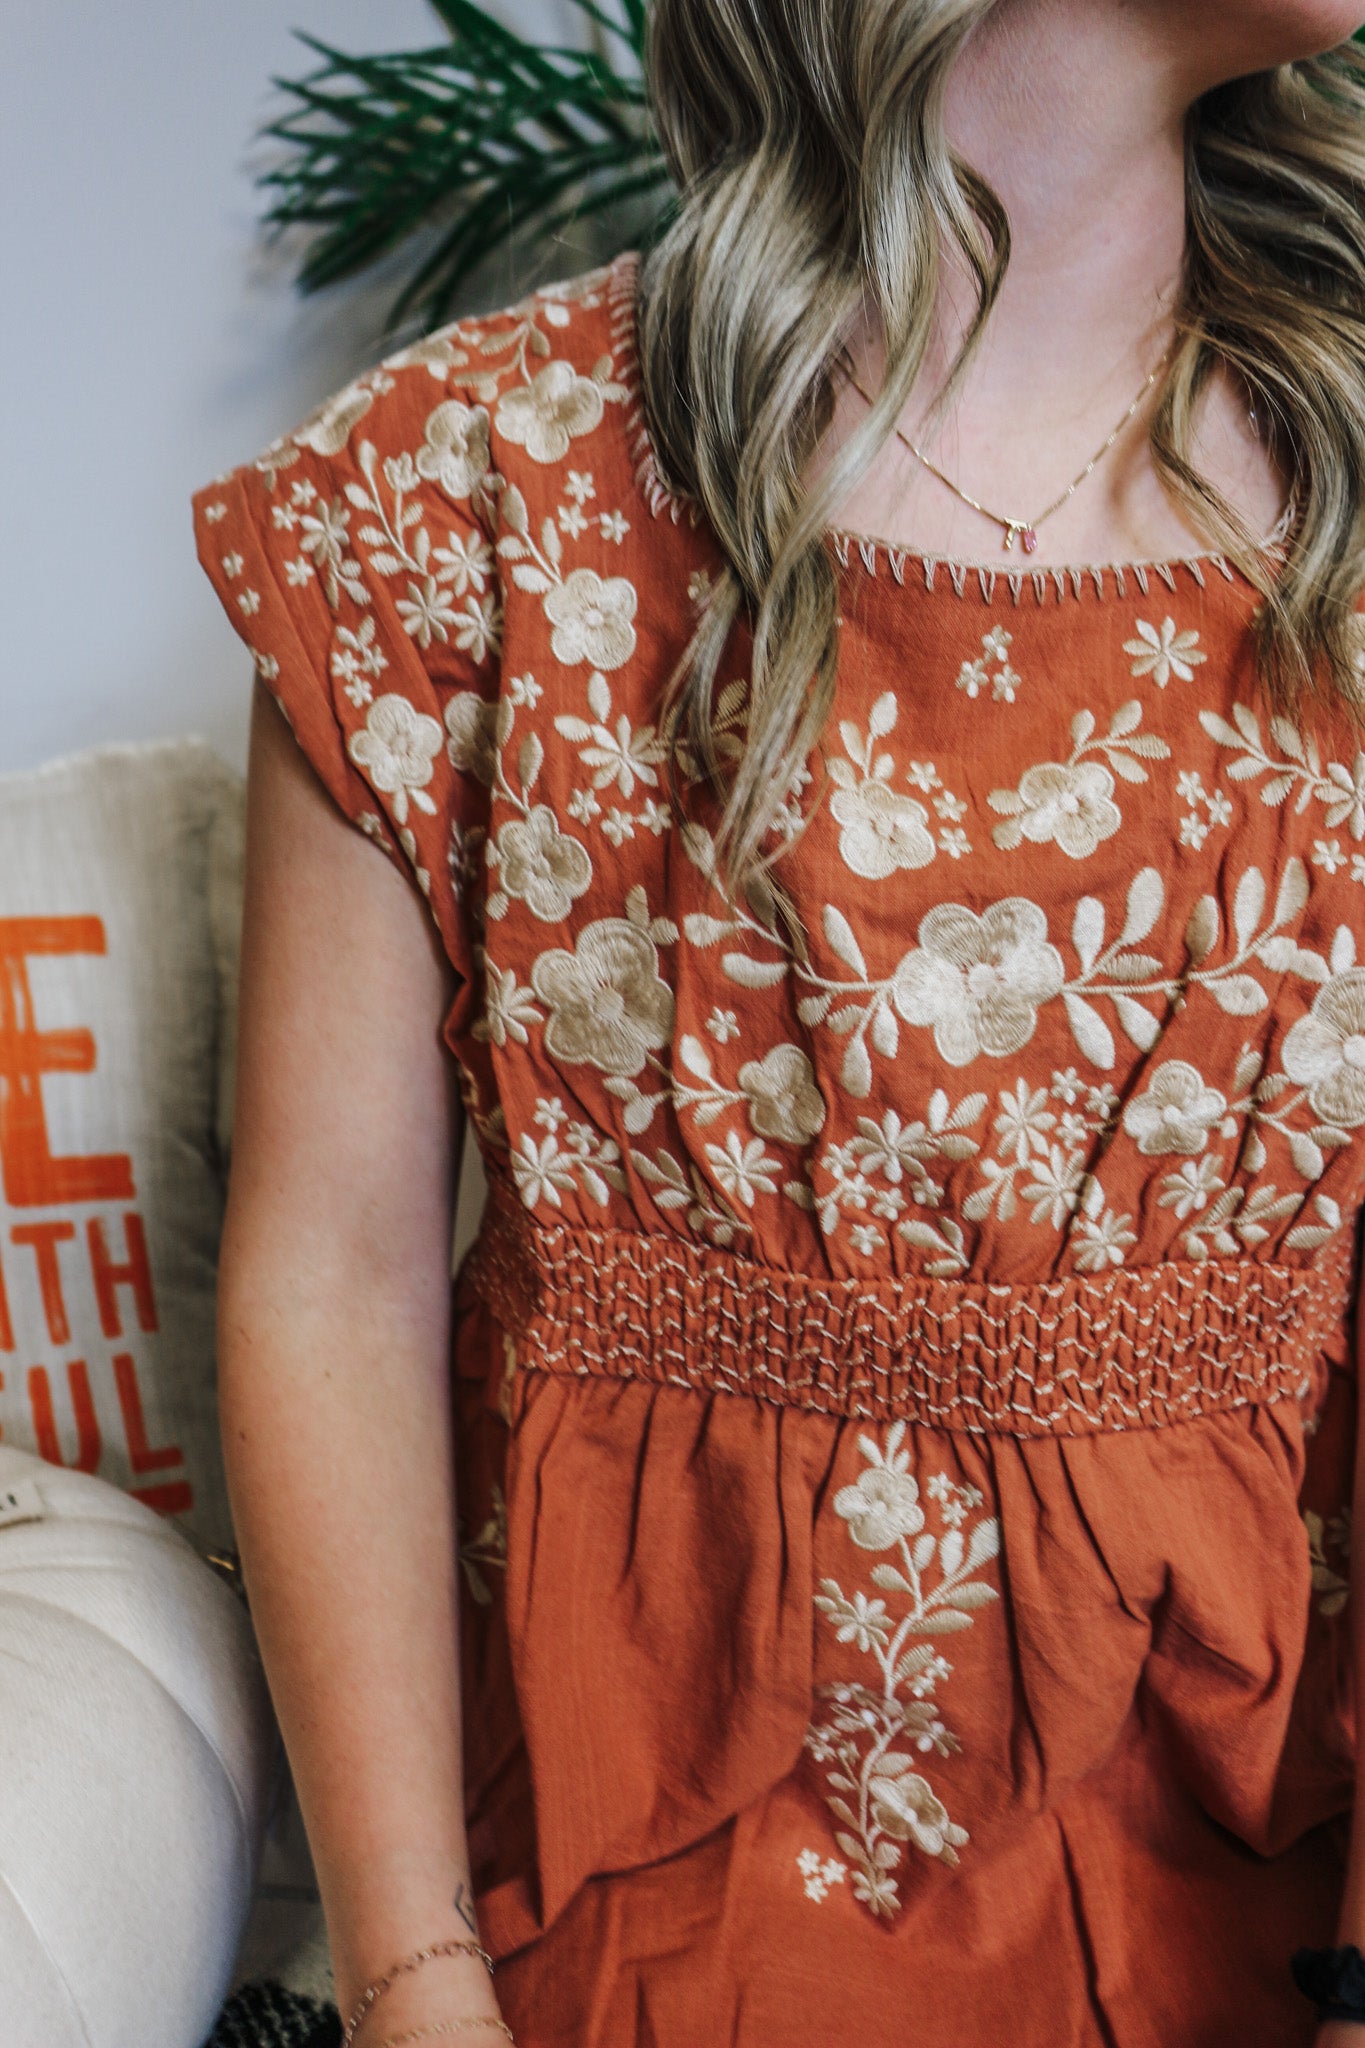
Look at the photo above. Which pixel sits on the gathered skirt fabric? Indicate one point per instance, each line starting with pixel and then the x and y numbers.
pixel 789 1728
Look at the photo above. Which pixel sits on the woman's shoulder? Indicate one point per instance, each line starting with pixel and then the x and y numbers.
pixel 491 399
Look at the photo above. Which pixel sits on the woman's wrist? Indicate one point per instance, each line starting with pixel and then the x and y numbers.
pixel 447 1988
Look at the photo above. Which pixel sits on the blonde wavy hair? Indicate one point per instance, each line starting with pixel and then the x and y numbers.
pixel 807 140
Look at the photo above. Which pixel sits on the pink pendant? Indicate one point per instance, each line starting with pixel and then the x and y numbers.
pixel 1030 540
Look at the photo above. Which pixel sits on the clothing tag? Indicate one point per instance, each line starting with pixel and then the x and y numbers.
pixel 21 1502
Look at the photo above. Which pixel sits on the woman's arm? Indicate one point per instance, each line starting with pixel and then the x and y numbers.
pixel 333 1374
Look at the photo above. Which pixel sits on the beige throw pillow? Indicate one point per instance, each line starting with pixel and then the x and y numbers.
pixel 119 904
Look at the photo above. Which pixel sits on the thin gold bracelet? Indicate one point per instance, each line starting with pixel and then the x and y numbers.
pixel 445 2027
pixel 403 1969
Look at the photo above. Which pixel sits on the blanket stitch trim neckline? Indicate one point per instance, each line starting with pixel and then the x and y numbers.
pixel 1061 579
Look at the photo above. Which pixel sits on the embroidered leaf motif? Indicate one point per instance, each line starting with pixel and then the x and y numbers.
pixel 707 931
pixel 884 1032
pixel 882 718
pixel 1293 891
pixel 1307 1157
pixel 970 1597
pixel 1201 933
pixel 695 1057
pixel 1087 930
pixel 1090 1031
pixel 1247 906
pixel 753 973
pixel 839 935
pixel 1238 995
pixel 1146 900
pixel 856 1071
pixel 1140 1025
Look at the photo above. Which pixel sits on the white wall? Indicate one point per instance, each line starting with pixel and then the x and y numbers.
pixel 147 341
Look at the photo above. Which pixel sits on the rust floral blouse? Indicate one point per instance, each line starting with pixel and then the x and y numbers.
pixel 905 1417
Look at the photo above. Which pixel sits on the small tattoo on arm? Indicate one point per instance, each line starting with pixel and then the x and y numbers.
pixel 464 1906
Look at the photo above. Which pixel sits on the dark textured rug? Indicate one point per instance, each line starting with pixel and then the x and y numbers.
pixel 268 2016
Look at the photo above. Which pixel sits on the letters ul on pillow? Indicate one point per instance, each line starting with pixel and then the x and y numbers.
pixel 112 1008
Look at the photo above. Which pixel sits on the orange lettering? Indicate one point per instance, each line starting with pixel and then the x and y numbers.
pixel 136 1272
pixel 45 1238
pixel 31 1176
pixel 141 1456
pixel 83 1408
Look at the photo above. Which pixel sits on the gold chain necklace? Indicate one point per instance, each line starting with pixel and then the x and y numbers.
pixel 1025 530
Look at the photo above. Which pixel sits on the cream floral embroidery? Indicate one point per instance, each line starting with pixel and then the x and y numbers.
pixel 1176 1111
pixel 327 430
pixel 400 544
pixel 542 866
pixel 618 755
pixel 592 616
pixel 882 829
pixel 545 416
pixel 608 1006
pixel 1325 1051
pixel 471 725
pixel 873 1737
pixel 1207 808
pixel 991 669
pixel 1162 652
pixel 819 1874
pixel 1298 770
pixel 978 982
pixel 396 750
pixel 571 1156
pixel 1071 802
pixel 455 452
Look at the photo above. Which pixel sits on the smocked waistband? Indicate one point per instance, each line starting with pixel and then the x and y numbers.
pixel 1132 1349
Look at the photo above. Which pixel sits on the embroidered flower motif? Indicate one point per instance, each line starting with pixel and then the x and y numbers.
pixel 471 722
pixel 871 1736
pixel 357 660
pixel 395 752
pixel 544 416
pixel 1176 1112
pixel 979 981
pixel 905 1806
pixel 1068 804
pixel 783 1098
pixel 455 448
pixel 327 430
pixel 1324 1052
pixel 1164 652
pixel 608 1006
pixel 882 830
pixel 881 1507
pixel 541 866
pixel 819 1874
pixel 465 563
pixel 592 619
pixel 324 539
pixel 744 1171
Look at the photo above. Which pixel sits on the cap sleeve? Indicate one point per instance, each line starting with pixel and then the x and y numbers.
pixel 354 560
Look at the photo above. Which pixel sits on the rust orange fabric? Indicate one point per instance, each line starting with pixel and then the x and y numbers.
pixel 905 1388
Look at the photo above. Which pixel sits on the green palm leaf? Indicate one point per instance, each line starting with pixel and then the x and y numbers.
pixel 484 136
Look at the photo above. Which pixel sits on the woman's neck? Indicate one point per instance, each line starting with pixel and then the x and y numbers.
pixel 1075 117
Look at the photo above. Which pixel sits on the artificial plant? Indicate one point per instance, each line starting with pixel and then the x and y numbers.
pixel 484 136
